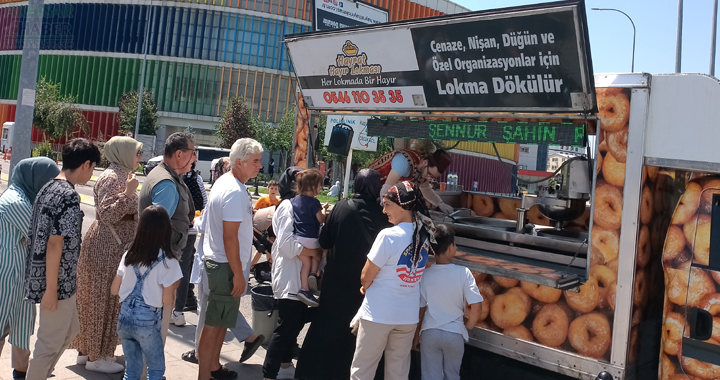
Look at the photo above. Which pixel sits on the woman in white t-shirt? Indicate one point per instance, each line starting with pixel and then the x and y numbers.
pixel 391 284
pixel 146 280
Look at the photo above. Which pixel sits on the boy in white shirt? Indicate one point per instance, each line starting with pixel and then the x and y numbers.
pixel 444 290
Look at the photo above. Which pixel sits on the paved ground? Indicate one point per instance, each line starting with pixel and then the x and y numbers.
pixel 180 339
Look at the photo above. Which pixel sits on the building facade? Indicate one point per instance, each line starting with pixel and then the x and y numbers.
pixel 199 55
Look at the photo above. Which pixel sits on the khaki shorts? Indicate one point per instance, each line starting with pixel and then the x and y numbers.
pixel 222 308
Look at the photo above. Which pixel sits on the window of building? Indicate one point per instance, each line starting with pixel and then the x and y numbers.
pixel 554 159
pixel 524 149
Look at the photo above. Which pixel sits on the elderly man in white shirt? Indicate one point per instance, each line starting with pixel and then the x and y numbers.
pixel 227 252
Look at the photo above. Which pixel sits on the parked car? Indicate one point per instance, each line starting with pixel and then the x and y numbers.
pixel 152 163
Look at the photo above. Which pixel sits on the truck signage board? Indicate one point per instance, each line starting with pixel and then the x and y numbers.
pixel 504 132
pixel 337 14
pixel 532 58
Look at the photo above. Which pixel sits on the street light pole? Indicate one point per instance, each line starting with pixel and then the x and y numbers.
pixel 713 38
pixel 678 45
pixel 632 68
pixel 151 13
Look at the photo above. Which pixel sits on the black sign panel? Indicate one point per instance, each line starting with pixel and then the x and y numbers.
pixel 519 62
pixel 522 59
pixel 505 132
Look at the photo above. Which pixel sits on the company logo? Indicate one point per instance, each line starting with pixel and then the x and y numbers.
pixel 352 62
pixel 406 271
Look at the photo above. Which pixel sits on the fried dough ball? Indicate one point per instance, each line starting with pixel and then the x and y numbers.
pixel 711 187
pixel 697 233
pixel 688 204
pixel 644 247
pixel 541 293
pixel 646 206
pixel 672 333
pixel 674 243
pixel 677 289
pixel 613 171
pixel 590 335
pixel 617 144
pixel 505 282
pixel 614 109
pixel 527 301
pixel 536 217
pixel 586 299
pixel 519 332
pixel 605 277
pixel 509 207
pixel 608 206
pixel 483 205
pixel 550 326
pixel 606 242
pixel 508 310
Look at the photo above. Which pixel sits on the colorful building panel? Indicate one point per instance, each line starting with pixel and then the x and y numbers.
pixel 199 53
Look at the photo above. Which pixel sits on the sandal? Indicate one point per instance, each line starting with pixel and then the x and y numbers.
pixel 250 348
pixel 190 357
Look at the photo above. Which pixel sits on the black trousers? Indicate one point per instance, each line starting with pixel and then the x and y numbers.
pixel 186 262
pixel 291 318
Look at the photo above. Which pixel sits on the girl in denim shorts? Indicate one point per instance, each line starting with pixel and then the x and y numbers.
pixel 146 281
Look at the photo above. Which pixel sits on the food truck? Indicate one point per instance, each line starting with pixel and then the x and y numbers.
pixel 617 273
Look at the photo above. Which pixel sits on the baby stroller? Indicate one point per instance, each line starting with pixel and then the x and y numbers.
pixel 263 238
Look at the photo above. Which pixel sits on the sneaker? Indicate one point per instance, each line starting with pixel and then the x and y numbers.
pixel 104 366
pixel 313 282
pixel 286 373
pixel 308 298
pixel 82 359
pixel 250 348
pixel 178 319
pixel 18 374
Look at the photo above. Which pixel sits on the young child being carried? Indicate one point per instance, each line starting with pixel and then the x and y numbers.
pixel 146 281
pixel 308 214
pixel 444 290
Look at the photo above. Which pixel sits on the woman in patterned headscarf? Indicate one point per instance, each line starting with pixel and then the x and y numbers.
pixel 390 281
pixel 17 317
pixel 116 215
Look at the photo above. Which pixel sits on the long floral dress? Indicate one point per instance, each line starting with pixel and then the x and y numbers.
pixel 102 248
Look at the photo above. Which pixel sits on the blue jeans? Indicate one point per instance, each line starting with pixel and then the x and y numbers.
pixel 139 331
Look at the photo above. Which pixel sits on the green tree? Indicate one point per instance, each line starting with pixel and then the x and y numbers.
pixel 236 122
pixel 56 115
pixel 127 114
pixel 277 137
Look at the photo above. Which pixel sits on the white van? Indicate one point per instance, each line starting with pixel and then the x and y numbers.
pixel 7 135
pixel 205 154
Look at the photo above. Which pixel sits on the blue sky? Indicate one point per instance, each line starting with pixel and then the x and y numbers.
pixel 656 23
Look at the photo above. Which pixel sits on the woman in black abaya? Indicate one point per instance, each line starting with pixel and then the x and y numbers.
pixel 348 234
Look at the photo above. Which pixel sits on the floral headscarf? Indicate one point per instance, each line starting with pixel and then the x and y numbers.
pixel 408 196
